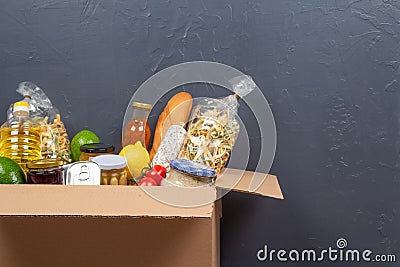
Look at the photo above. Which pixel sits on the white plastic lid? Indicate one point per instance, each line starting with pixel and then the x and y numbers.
pixel 110 162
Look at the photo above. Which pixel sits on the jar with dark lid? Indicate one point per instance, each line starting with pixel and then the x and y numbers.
pixel 187 173
pixel 45 171
pixel 90 151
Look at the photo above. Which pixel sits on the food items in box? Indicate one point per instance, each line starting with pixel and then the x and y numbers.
pixel 113 169
pixel 84 137
pixel 82 173
pixel 186 173
pixel 137 158
pixel 170 146
pixel 20 137
pixel 45 171
pixel 10 172
pixel 54 137
pixel 175 112
pixel 90 151
pixel 138 129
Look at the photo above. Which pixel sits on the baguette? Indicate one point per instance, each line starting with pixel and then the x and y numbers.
pixel 175 112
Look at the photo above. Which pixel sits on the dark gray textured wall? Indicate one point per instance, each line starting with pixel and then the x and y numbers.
pixel 330 70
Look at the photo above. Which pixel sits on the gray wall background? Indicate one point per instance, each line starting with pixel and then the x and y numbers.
pixel 330 70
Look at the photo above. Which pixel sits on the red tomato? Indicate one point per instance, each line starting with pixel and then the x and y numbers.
pixel 161 170
pixel 147 181
pixel 153 174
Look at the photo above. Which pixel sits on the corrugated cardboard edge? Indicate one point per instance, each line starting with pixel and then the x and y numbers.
pixel 217 214
pixel 250 182
pixel 99 201
pixel 130 201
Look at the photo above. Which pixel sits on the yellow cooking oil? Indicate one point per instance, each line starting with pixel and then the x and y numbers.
pixel 20 137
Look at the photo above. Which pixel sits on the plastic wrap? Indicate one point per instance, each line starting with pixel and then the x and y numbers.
pixel 170 146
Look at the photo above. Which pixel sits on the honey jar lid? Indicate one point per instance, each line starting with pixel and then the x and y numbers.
pixel 110 162
pixel 44 163
pixel 193 168
pixel 97 148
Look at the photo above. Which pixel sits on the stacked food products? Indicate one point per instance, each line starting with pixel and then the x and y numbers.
pixel 185 152
pixel 54 138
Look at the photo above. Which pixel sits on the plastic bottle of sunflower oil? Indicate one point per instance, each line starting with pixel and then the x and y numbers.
pixel 20 136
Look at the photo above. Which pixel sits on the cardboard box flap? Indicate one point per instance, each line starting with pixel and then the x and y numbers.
pixel 250 182
pixel 102 201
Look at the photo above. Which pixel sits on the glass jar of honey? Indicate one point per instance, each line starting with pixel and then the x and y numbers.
pixel 113 169
pixel 90 151
pixel 45 171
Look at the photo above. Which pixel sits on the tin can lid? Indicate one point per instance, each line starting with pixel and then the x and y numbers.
pixel 83 173
pixel 97 148
pixel 192 168
pixel 110 162
pixel 44 163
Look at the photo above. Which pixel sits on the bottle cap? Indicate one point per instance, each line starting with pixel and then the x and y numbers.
pixel 21 106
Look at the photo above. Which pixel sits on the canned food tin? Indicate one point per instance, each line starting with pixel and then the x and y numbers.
pixel 83 173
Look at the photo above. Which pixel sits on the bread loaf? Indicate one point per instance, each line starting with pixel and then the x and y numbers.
pixel 175 112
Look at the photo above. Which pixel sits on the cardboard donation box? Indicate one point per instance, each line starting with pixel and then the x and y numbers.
pixel 58 225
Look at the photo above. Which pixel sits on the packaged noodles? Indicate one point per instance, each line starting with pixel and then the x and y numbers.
pixel 213 127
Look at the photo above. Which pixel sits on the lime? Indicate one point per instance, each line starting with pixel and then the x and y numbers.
pixel 82 138
pixel 10 172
